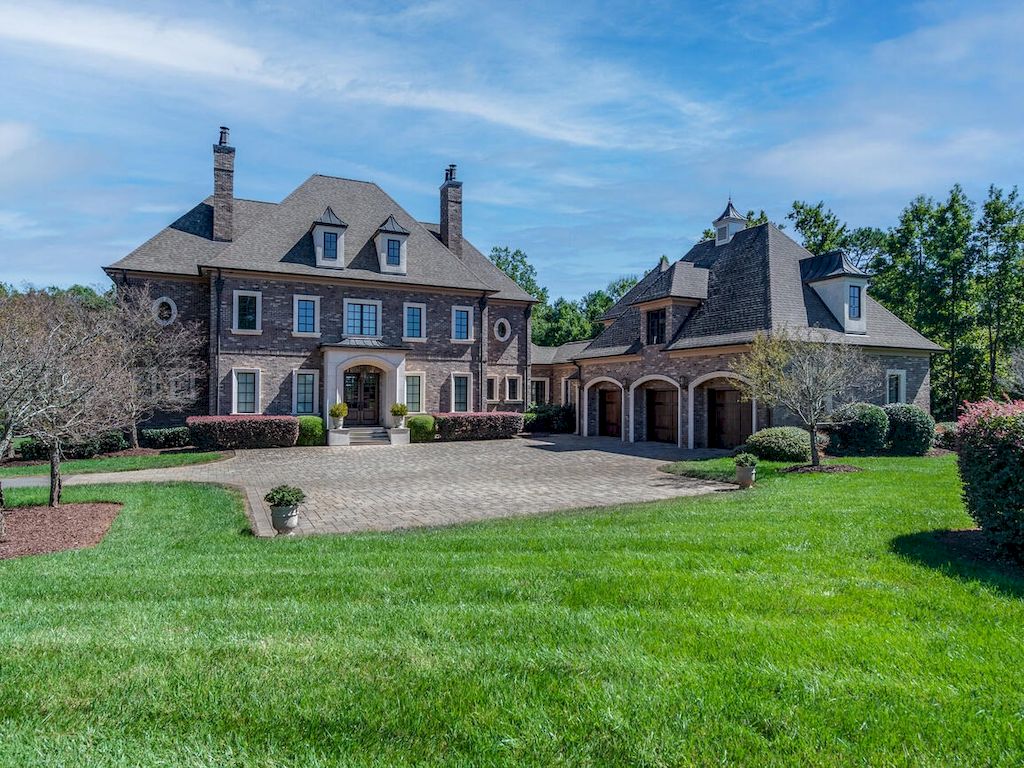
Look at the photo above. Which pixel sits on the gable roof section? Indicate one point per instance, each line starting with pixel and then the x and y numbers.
pixel 682 280
pixel 645 282
pixel 562 354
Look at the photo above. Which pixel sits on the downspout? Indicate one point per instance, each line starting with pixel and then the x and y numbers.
pixel 579 398
pixel 481 383
pixel 527 387
pixel 218 285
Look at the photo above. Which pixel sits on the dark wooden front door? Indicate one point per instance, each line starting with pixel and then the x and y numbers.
pixel 362 394
pixel 608 414
pixel 729 418
pixel 662 415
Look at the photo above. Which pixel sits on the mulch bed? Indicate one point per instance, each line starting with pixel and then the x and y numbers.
pixel 39 530
pixel 831 469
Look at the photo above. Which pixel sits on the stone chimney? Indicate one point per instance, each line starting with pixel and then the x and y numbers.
pixel 223 188
pixel 451 212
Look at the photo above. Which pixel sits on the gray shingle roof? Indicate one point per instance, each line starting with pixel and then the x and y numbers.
pixel 682 280
pixel 645 282
pixel 276 238
pixel 831 264
pixel 564 353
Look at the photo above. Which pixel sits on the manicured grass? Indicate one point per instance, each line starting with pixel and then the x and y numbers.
pixel 722 468
pixel 113 464
pixel 813 620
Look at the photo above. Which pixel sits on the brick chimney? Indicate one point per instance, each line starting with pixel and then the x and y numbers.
pixel 223 188
pixel 451 211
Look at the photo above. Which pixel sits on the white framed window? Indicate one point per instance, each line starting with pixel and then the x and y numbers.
pixel 462 392
pixel 492 388
pixel 502 329
pixel 514 388
pixel 245 390
pixel 363 318
pixel 568 391
pixel 538 391
pixel 414 321
pixel 165 311
pixel 305 392
pixel 247 312
pixel 305 315
pixel 415 394
pixel 895 386
pixel 462 325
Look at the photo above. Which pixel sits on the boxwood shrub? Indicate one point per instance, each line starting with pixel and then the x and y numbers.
pixel 945 435
pixel 860 428
pixel 911 429
pixel 550 418
pixel 168 437
pixel 780 444
pixel 494 425
pixel 227 432
pixel 421 429
pixel 108 442
pixel 991 441
pixel 311 431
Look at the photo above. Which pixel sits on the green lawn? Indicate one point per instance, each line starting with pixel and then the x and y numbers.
pixel 812 620
pixel 113 464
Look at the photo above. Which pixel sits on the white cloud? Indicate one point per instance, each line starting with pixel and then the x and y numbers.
pixel 15 225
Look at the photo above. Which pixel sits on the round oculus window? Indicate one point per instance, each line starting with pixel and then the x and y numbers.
pixel 165 311
pixel 502 329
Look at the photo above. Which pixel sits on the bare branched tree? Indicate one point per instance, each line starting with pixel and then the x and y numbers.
pixel 23 324
pixel 162 356
pixel 807 375
pixel 80 384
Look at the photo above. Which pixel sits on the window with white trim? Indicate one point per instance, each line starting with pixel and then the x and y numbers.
pixel 305 315
pixel 415 321
pixel 305 392
pixel 502 329
pixel 362 317
pixel 462 324
pixel 247 312
pixel 331 246
pixel 538 391
pixel 245 390
pixel 895 386
pixel 462 385
pixel 513 388
pixel 414 392
pixel 165 311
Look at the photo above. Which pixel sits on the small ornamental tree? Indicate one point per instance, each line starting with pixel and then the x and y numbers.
pixel 25 327
pixel 808 375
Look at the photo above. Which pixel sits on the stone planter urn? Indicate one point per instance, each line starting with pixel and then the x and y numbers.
pixel 285 519
pixel 745 476
pixel 337 423
pixel 399 436
pixel 284 501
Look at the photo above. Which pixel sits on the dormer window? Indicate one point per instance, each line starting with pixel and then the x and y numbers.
pixel 855 302
pixel 392 243
pixel 723 234
pixel 329 240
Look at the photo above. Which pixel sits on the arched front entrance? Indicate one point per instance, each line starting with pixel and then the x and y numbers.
pixel 655 403
pixel 718 415
pixel 603 408
pixel 362 394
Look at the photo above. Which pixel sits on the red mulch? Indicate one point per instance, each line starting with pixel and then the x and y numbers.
pixel 38 530
pixel 804 469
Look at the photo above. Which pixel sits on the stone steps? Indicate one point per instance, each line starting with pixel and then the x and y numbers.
pixel 369 436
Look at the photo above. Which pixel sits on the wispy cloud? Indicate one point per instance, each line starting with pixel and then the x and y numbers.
pixel 15 225
pixel 14 137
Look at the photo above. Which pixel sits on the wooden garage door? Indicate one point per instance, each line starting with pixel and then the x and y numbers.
pixel 662 415
pixel 609 418
pixel 729 419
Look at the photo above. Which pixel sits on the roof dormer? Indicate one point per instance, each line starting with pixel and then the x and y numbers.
pixel 392 243
pixel 329 240
pixel 728 224
pixel 841 285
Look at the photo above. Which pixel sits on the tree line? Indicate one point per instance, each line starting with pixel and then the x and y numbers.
pixel 950 268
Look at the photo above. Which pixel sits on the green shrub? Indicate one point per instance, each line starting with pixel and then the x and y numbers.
pixel 285 496
pixel 550 418
pixel 493 425
pixel 421 429
pixel 860 428
pixel 311 431
pixel 213 433
pixel 911 429
pixel 746 460
pixel 108 442
pixel 991 461
pixel 780 444
pixel 168 437
pixel 945 435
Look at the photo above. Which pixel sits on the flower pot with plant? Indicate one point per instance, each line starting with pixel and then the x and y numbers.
pixel 746 469
pixel 399 411
pixel 338 412
pixel 284 503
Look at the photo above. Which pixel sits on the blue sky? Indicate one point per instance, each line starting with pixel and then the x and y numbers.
pixel 595 136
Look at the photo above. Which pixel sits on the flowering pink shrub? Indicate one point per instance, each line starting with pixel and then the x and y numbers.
pixel 494 425
pixel 990 436
pixel 226 432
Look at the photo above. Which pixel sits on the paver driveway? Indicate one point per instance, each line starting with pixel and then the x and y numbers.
pixel 379 488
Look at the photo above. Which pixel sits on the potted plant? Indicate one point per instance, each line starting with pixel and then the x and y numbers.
pixel 746 469
pixel 338 413
pixel 399 411
pixel 284 503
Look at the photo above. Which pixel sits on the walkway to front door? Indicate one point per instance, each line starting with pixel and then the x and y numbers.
pixel 362 394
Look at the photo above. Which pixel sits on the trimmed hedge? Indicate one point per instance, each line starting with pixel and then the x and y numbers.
pixel 991 461
pixel 169 437
pixel 550 418
pixel 860 428
pixel 945 435
pixel 312 431
pixel 495 425
pixel 421 429
pixel 109 442
pixel 911 429
pixel 226 432
pixel 780 444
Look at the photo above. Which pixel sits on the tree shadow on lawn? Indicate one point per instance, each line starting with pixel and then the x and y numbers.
pixel 965 554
